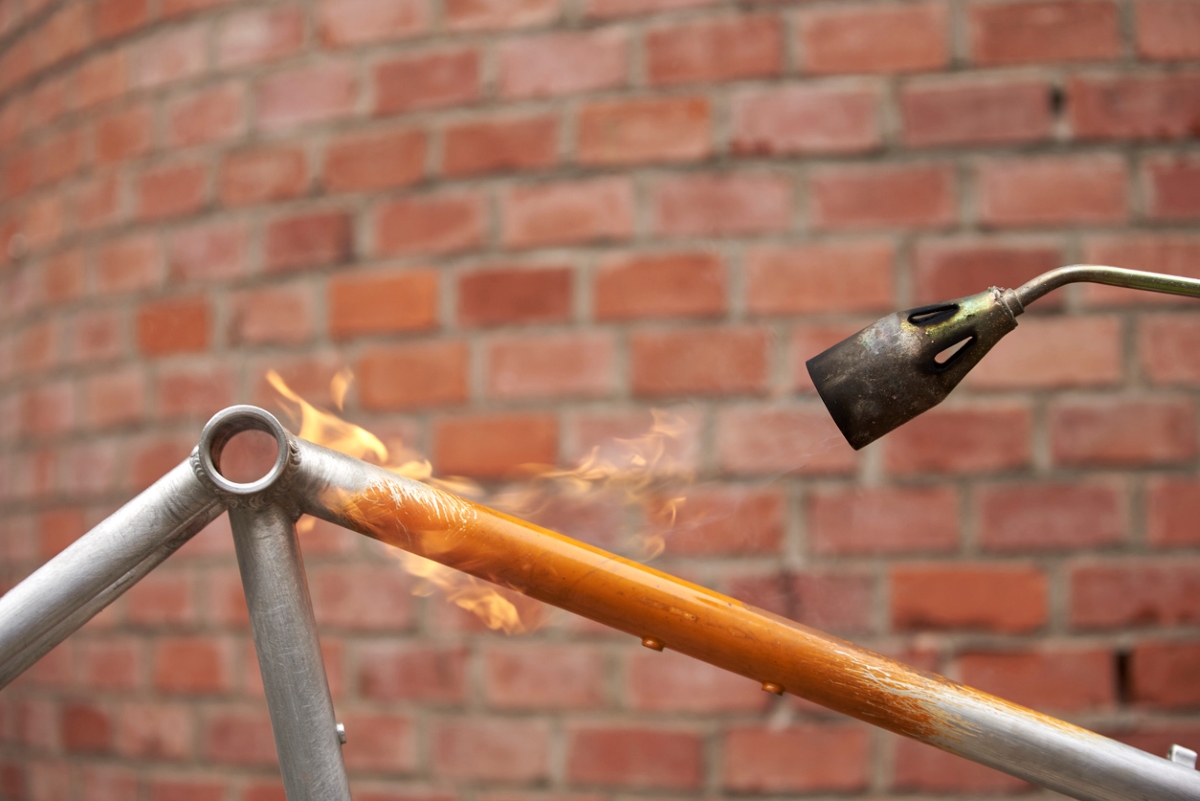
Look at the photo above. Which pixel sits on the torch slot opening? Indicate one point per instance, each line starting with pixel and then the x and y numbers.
pixel 946 357
pixel 931 315
pixel 227 424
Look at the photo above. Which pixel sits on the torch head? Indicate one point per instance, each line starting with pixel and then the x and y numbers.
pixel 907 363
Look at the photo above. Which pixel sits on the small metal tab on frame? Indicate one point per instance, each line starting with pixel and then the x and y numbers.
pixel 1182 756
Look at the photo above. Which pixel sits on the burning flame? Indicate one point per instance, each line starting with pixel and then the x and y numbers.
pixel 627 471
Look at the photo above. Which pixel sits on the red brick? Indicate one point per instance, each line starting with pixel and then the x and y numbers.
pixel 430 675
pixel 309 240
pixel 1047 517
pixel 115 398
pixel 176 8
pixel 66 33
pixel 564 63
pixel 724 361
pixel 107 783
pixel 382 743
pixel 47 102
pixel 920 767
pixel 207 253
pixel 197 665
pixel 722 204
pixel 195 392
pixel 177 325
pixel 96 337
pixel 173 55
pixel 800 758
pixel 628 757
pixel 421 375
pixel 980 438
pixel 42 222
pixel 117 17
pixel 1112 596
pixel 710 51
pixel 904 196
pixel 164 598
pixel 671 682
pixel 889 38
pixel 442 223
pixel 1122 432
pixel 500 145
pixel 615 132
pixel 153 456
pixel 551 366
pixel 376 161
pixel 171 191
pixel 620 438
pixel 238 738
pixel 86 728
pixel 798 120
pixel 1172 506
pixel 1173 192
pixel 839 602
pixel 570 212
pixel 346 23
pixel 362 597
pixel 552 676
pixel 473 15
pixel 123 135
pixel 1164 253
pixel 941 113
pixel 720 521
pixel 1169 349
pixel 1128 107
pixel 953 269
pixel 58 528
pixel 884 520
pixel 820 279
pixel 492 446
pixel 36 347
pixel 769 440
pixel 1168 29
pixel 999 598
pixel 1160 672
pixel 262 175
pixel 430 80
pixel 361 304
pixel 1053 352
pixel 101 78
pixel 620 8
pixel 1053 190
pixel 209 115
pixel 274 315
pixel 186 790
pixel 307 95
pixel 1043 32
pixel 97 202
pixel 260 35
pixel 510 750
pixel 672 284
pixel 64 276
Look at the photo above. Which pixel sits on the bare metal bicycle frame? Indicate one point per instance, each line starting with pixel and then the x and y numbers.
pixel 662 610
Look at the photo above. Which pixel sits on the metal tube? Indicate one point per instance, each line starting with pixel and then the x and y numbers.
pixel 664 610
pixel 289 654
pixel 1113 276
pixel 96 569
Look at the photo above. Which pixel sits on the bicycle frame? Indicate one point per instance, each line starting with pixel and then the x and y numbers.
pixel 663 611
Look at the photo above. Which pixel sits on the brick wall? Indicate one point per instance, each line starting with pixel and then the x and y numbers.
pixel 525 223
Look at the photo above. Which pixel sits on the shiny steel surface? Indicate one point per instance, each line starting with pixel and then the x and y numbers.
pixel 96 569
pixel 667 612
pixel 1113 276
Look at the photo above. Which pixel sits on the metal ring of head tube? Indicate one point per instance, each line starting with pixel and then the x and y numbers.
pixel 224 426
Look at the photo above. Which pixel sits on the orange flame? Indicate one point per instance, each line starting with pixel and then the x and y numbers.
pixel 629 471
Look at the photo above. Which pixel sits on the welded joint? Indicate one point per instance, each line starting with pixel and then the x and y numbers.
pixel 272 488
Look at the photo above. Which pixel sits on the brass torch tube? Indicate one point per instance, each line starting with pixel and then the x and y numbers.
pixel 662 609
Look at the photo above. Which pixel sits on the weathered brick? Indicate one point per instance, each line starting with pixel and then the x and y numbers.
pixel 920 767
pixel 868 38
pixel 1000 598
pixel 209 115
pixel 1114 596
pixel 671 284
pixel 615 132
pixel 171 191
pixel 195 665
pixel 562 63
pixel 801 758
pixel 115 398
pixel 1122 432
pixel 473 15
pixel 1172 187
pixel 492 446
pixel 1047 517
pixel 123 135
pixel 721 204
pixel 112 18
pixel 940 112
pixel 299 97
pixel 1168 30
pixel 798 120
pixel 427 374
pixel 361 304
pixel 634 757
pixel 309 240
pixel 1053 190
pixel 442 223
pixel 259 36
pixel 431 80
pixel 719 521
pixel 729 361
pixel 501 295
pixel 1129 107
pixel 820 279
pixel 885 520
pixel 1171 507
pixel 551 676
pixel 979 438
pixel 365 163
pixel 710 51
pixel 430 675
pixel 1054 352
pixel 263 174
pixel 946 269
pixel 362 597
pixel 511 751
pixel 670 682
pixel 173 55
pixel 1047 31
pixel 347 23
pixel 1159 671
pixel 86 728
pixel 280 315
pixel 207 253
pixel 177 325
pixel 883 197
pixel 567 212
pixel 564 365
pixel 504 144
pixel 768 440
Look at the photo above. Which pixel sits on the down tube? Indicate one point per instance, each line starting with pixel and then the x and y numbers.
pixel 729 634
